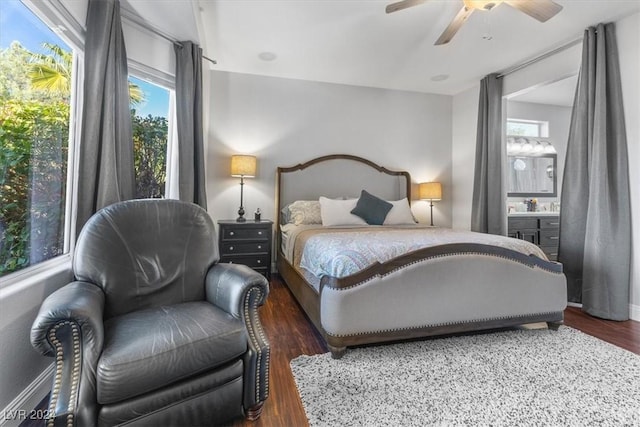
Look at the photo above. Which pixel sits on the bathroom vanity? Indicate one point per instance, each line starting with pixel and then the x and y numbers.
pixel 539 228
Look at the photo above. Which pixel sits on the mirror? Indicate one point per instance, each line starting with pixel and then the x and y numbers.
pixel 532 175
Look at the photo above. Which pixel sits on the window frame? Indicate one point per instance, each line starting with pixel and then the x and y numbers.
pixel 55 16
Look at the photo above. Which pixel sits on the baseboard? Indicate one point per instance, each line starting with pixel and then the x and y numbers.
pixel 634 312
pixel 22 406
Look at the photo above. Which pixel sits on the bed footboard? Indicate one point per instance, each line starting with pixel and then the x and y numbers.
pixel 451 293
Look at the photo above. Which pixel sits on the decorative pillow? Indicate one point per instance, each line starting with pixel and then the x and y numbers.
pixel 305 212
pixel 400 213
pixel 371 208
pixel 285 215
pixel 338 212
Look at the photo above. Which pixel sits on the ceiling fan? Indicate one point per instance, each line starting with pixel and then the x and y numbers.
pixel 542 10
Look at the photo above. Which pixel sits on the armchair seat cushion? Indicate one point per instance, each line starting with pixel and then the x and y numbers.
pixel 149 349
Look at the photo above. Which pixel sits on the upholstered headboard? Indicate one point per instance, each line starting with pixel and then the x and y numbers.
pixel 338 175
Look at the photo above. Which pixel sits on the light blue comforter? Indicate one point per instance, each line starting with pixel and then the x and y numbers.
pixel 346 251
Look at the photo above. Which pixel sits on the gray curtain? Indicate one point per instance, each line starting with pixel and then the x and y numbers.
pixel 595 221
pixel 106 173
pixel 488 208
pixel 191 179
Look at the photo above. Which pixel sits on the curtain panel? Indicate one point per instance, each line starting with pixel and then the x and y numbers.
pixel 106 172
pixel 190 147
pixel 595 221
pixel 489 197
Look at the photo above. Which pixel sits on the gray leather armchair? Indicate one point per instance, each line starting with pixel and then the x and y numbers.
pixel 154 331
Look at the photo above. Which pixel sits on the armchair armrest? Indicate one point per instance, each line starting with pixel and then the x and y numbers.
pixel 228 284
pixel 240 290
pixel 69 327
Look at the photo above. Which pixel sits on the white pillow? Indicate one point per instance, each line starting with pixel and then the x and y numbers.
pixel 338 212
pixel 400 213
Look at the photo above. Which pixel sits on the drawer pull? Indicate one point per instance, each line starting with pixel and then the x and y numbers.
pixel 230 248
pixel 231 233
pixel 553 237
pixel 260 233
pixel 554 223
pixel 259 246
pixel 259 262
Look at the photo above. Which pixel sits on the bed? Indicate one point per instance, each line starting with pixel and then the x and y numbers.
pixel 363 281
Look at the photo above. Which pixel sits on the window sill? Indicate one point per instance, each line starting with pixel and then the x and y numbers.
pixel 19 280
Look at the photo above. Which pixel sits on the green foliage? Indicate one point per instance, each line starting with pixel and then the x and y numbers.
pixel 33 152
pixel 150 154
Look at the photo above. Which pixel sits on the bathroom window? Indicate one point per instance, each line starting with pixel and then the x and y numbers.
pixel 527 128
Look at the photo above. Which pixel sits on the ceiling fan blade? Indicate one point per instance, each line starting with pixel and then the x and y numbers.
pixel 454 26
pixel 405 4
pixel 542 10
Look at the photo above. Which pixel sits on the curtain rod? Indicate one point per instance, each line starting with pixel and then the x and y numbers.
pixel 540 58
pixel 132 18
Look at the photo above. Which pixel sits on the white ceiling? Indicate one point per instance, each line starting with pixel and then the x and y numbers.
pixel 355 42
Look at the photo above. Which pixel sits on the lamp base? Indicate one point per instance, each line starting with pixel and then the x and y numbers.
pixel 431 207
pixel 241 217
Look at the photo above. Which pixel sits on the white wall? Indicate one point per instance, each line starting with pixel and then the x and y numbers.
pixel 284 122
pixel 628 36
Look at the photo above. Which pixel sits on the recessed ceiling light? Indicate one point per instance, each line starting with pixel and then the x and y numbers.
pixel 440 77
pixel 267 56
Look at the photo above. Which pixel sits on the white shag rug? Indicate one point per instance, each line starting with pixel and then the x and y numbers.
pixel 514 378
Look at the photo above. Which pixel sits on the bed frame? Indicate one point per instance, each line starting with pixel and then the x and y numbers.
pixel 441 290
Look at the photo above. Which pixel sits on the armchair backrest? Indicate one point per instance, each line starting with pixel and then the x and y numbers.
pixel 147 253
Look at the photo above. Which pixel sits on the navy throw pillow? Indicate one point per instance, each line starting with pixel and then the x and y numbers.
pixel 371 208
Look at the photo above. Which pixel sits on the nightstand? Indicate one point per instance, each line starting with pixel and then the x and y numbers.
pixel 246 243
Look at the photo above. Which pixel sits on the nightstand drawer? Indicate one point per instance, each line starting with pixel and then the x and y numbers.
pixel 253 261
pixel 239 247
pixel 245 233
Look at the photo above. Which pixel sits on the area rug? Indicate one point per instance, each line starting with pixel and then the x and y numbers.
pixel 513 378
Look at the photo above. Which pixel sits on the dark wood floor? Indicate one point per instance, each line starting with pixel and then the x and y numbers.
pixel 291 334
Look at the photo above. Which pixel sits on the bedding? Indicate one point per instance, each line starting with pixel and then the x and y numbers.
pixel 341 252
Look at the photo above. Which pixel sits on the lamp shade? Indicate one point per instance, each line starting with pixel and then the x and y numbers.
pixel 242 165
pixel 430 191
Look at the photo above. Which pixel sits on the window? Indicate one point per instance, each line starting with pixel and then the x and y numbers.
pixel 528 128
pixel 149 117
pixel 36 81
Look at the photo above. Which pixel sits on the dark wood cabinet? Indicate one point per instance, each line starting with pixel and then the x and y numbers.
pixel 543 231
pixel 246 243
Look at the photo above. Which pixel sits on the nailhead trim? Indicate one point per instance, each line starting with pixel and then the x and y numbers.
pixel 75 375
pixel 435 325
pixel 254 326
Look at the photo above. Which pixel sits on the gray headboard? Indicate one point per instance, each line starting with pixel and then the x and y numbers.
pixel 338 175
